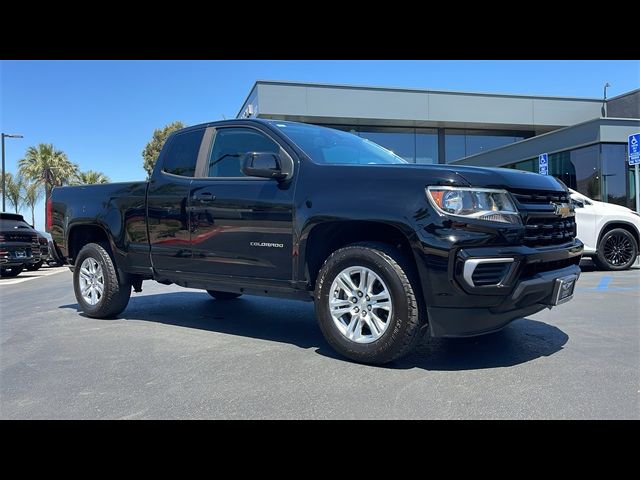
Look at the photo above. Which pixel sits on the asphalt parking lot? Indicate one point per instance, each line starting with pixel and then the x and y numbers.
pixel 177 353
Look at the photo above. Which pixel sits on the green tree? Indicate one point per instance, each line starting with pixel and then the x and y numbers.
pixel 89 177
pixel 46 165
pixel 32 195
pixel 14 187
pixel 152 149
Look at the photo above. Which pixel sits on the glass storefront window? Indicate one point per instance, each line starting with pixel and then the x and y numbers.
pixel 454 145
pixel 415 145
pixel 527 165
pixel 579 169
pixel 478 141
pixel 463 143
pixel 426 145
pixel 614 173
pixel 400 141
pixel 598 171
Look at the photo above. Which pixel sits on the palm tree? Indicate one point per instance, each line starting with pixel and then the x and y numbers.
pixel 46 165
pixel 14 191
pixel 89 177
pixel 32 195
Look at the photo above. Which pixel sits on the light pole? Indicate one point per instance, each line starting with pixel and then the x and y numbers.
pixel 604 104
pixel 5 135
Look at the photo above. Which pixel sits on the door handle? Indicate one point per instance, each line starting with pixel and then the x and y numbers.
pixel 204 197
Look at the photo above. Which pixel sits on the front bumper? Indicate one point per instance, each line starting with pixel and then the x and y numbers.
pixel 527 286
pixel 530 296
pixel 9 255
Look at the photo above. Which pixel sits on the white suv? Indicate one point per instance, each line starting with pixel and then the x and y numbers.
pixel 610 233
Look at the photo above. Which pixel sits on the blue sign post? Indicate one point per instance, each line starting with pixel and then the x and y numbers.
pixel 543 164
pixel 634 159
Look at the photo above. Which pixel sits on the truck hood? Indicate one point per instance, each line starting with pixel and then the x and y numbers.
pixel 507 178
pixel 500 178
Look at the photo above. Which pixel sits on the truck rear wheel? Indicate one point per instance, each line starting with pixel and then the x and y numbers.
pixel 366 304
pixel 99 290
pixel 223 295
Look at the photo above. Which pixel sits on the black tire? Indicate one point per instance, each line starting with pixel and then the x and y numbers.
pixel 10 272
pixel 116 290
pixel 404 330
pixel 617 250
pixel 32 267
pixel 223 295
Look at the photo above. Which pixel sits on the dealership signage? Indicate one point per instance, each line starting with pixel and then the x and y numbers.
pixel 634 149
pixel 543 164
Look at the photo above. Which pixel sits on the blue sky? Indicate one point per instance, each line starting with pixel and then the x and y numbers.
pixel 102 113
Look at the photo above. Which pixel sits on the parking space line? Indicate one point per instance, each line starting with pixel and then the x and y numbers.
pixel 604 283
pixel 26 276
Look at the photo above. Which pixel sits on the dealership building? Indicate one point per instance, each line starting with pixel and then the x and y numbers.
pixel 585 138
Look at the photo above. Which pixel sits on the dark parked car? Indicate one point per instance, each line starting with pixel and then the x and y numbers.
pixel 41 254
pixel 387 250
pixel 19 246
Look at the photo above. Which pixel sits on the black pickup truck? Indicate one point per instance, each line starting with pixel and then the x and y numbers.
pixel 387 250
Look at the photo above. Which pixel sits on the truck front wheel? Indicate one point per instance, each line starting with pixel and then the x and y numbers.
pixel 99 290
pixel 366 304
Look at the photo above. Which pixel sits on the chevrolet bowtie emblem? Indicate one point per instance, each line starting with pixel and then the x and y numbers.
pixel 562 210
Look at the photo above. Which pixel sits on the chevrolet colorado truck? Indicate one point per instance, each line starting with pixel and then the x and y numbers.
pixel 387 250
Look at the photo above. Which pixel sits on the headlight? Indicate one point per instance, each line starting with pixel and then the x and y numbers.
pixel 479 203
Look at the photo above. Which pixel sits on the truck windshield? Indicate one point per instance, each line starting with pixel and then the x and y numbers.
pixel 329 146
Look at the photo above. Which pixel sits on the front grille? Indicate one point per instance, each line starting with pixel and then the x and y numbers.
pixel 531 269
pixel 543 227
pixel 20 237
pixel 543 231
pixel 490 273
pixel 524 196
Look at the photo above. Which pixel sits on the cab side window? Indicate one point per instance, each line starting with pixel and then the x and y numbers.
pixel 230 145
pixel 183 153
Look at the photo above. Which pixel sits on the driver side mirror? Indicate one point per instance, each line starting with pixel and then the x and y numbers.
pixel 263 164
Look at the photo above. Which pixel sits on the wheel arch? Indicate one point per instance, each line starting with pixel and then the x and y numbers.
pixel 324 238
pixel 83 233
pixel 613 224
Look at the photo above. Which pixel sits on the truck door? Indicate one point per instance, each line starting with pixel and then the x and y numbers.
pixel 167 202
pixel 241 226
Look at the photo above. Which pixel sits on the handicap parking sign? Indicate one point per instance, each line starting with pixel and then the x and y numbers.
pixel 543 164
pixel 634 149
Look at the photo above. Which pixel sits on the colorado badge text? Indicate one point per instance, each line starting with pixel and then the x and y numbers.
pixel 266 244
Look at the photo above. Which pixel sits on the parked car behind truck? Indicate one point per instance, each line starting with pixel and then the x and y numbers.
pixel 610 233
pixel 387 250
pixel 19 246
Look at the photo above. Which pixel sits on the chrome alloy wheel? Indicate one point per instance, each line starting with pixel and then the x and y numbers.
pixel 91 281
pixel 360 304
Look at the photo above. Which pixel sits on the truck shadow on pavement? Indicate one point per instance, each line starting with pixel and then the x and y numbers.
pixel 294 323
